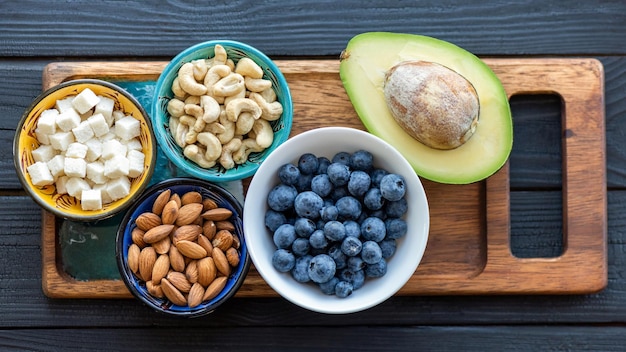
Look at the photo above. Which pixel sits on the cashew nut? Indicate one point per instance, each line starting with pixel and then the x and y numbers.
pixel 247 67
pixel 197 112
pixel 178 131
pixel 215 128
pixel 220 55
pixel 196 154
pixel 226 159
pixel 211 109
pixel 241 94
pixel 177 90
pixel 248 146
pixel 188 82
pixel 200 69
pixel 257 84
pixel 214 74
pixel 176 107
pixel 244 123
pixel 229 127
pixel 237 106
pixel 212 144
pixel 192 99
pixel 269 111
pixel 269 95
pixel 263 132
pixel 229 85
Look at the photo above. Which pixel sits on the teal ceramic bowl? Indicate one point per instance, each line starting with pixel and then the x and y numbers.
pixel 163 94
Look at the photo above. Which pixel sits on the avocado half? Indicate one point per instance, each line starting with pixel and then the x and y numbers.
pixel 363 66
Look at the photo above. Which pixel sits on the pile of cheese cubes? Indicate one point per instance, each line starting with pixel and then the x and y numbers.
pixel 87 149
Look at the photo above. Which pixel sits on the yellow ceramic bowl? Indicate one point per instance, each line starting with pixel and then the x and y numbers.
pixel 25 142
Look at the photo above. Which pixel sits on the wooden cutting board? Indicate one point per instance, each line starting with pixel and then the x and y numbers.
pixel 468 250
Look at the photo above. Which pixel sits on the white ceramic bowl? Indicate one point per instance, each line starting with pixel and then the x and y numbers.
pixel 327 142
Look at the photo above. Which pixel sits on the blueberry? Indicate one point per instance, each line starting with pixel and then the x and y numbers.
pixel 300 270
pixel 322 268
pixel 377 269
pixel 318 240
pixel 288 174
pixel 283 260
pixel 396 209
pixel 387 248
pixel 308 163
pixel 338 193
pixel 380 213
pixel 341 260
pixel 329 213
pixel 356 278
pixel 352 228
pixel 308 205
pixel 321 185
pixel 361 160
pixel 371 252
pixel 376 175
pixel 356 263
pixel 396 228
pixel 281 197
pixel 304 182
pixel 343 289
pixel 334 231
pixel 373 229
pixel 273 219
pixel 351 246
pixel 392 187
pixel 342 158
pixel 373 199
pixel 284 236
pixel 322 165
pixel 349 208
pixel 304 227
pixel 300 246
pixel 328 287
pixel 359 183
pixel 338 173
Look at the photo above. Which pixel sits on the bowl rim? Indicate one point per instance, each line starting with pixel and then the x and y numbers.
pixel 21 174
pixel 160 132
pixel 280 282
pixel 128 277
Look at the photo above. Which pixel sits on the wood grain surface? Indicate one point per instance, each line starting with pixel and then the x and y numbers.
pixel 471 219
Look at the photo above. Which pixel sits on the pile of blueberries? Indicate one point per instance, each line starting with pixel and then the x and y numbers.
pixel 335 221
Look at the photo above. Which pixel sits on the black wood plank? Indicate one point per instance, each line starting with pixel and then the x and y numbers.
pixel 303 28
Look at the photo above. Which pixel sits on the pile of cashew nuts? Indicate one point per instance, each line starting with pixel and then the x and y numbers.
pixel 221 111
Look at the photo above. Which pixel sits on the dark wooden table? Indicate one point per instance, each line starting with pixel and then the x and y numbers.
pixel 35 33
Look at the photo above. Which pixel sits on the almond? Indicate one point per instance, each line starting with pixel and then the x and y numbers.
pixel 157 233
pixel 191 272
pixel 191 249
pixel 214 288
pixel 160 201
pixel 206 244
pixel 225 225
pixel 160 268
pixel 223 240
pixel 133 257
pixel 179 281
pixel 163 246
pixel 147 220
pixel 147 258
pixel 236 241
pixel 172 293
pixel 232 255
pixel 191 197
pixel 208 204
pixel 187 232
pixel 221 263
pixel 188 213
pixel 177 261
pixel 154 290
pixel 195 295
pixel 137 237
pixel 175 197
pixel 170 212
pixel 206 271
pixel 209 229
pixel 217 214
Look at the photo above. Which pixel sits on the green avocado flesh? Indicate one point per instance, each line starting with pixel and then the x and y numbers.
pixel 364 63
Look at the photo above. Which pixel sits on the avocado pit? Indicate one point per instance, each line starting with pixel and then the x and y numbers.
pixel 432 103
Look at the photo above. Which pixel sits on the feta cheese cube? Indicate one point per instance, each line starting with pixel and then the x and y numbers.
pixel 113 147
pixel 118 188
pixel 105 107
pixel 43 153
pixel 42 138
pixel 56 166
pixel 95 172
pixel 91 199
pixel 94 149
pixel 76 150
pixel 134 144
pixel 136 160
pixel 40 174
pixel 75 167
pixel 75 186
pixel 83 132
pixel 60 184
pixel 85 100
pixel 61 140
pixel 98 124
pixel 116 166
pixel 118 114
pixel 63 105
pixel 68 120
pixel 103 192
pixel 127 128
pixel 47 121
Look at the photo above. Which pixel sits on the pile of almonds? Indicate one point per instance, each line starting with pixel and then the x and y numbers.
pixel 184 249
